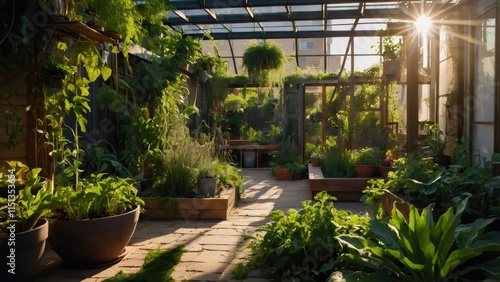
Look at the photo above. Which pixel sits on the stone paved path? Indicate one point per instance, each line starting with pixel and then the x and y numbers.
pixel 212 248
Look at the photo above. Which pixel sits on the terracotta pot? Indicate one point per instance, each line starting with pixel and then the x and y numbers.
pixel 29 248
pixel 364 170
pixel 93 242
pixel 282 173
pixel 315 162
pixel 384 170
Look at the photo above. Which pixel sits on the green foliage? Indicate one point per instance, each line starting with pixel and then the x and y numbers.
pixel 251 135
pixel 264 61
pixel 229 176
pixel 337 163
pixel 424 250
pixel 235 103
pixel 372 195
pixel 418 179
pixel 367 156
pixel 288 154
pixel 302 244
pixel 477 184
pixel 100 157
pixel 390 47
pixel 177 174
pixel 436 140
pixel 295 168
pixel 158 266
pixel 25 206
pixel 95 197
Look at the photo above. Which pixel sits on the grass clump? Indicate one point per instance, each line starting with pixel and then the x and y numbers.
pixel 158 267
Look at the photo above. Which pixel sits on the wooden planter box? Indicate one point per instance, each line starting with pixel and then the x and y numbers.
pixel 192 208
pixel 344 189
pixel 389 198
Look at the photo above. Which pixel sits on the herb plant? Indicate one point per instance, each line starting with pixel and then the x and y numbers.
pixel 337 163
pixel 302 244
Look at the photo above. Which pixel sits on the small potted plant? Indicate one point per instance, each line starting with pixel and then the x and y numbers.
pixel 316 156
pixel 436 144
pixel 390 49
pixel 22 211
pixel 295 169
pixel 285 159
pixel 207 179
pixel 387 165
pixel 365 161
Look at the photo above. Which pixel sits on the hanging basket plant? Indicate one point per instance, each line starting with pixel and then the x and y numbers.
pixel 265 63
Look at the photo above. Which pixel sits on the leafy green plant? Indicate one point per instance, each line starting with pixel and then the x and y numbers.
pixel 287 155
pixel 26 206
pixel 229 176
pixel 98 196
pixel 208 169
pixel 436 140
pixel 275 133
pixel 390 47
pixel 424 250
pixel 295 167
pixel 372 195
pixel 366 156
pixel 100 157
pixel 302 244
pixel 251 135
pixel 477 184
pixel 264 60
pixel 419 180
pixel 337 163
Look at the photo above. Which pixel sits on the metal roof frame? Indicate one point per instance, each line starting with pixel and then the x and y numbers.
pixel 197 17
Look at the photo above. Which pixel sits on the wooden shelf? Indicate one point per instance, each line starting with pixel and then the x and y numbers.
pixel 78 30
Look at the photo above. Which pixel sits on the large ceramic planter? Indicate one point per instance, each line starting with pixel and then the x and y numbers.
pixel 93 242
pixel 29 248
pixel 364 170
pixel 249 158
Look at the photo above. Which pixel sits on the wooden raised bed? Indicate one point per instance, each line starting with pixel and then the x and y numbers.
pixel 344 189
pixel 192 208
pixel 389 199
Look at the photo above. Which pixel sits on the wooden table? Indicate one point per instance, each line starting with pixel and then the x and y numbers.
pixel 259 148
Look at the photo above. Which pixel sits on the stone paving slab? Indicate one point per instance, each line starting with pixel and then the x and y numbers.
pixel 212 248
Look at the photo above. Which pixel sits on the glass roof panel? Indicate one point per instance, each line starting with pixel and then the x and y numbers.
pixel 277 26
pixel 230 11
pixel 306 8
pixel 272 9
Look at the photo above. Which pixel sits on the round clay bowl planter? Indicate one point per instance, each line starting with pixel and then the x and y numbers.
pixel 384 170
pixel 364 170
pixel 93 242
pixel 29 248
